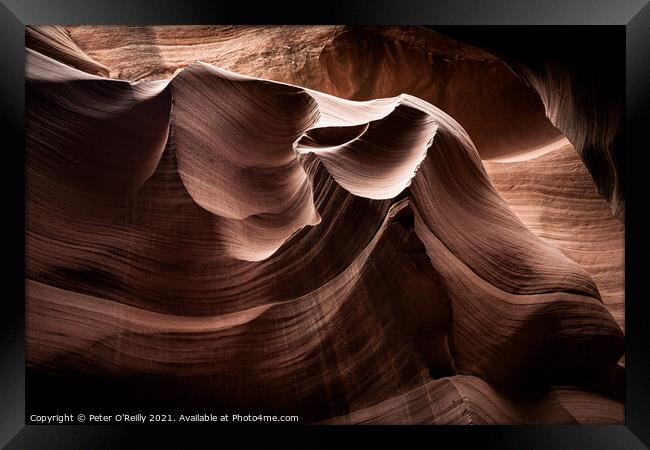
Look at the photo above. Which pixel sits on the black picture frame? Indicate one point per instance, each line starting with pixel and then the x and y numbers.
pixel 632 15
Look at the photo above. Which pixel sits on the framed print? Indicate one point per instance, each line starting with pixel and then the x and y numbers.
pixel 270 222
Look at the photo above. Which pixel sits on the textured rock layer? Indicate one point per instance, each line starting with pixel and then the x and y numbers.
pixel 271 229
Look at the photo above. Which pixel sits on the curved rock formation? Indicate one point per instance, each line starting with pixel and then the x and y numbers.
pixel 468 400
pixel 582 96
pixel 222 241
pixel 55 42
pixel 553 195
pixel 357 63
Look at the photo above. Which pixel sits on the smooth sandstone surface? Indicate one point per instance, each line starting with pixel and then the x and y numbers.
pixel 355 225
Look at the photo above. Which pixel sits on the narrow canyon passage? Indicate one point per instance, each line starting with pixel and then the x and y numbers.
pixel 354 225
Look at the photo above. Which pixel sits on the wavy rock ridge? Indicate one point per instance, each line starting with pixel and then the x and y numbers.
pixel 224 241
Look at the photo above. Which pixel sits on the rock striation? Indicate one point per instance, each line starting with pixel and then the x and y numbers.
pixel 309 241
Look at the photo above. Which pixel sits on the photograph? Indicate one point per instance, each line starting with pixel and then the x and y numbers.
pixel 321 224
pixel 365 224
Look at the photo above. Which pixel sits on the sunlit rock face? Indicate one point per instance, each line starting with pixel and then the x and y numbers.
pixel 581 89
pixel 352 225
